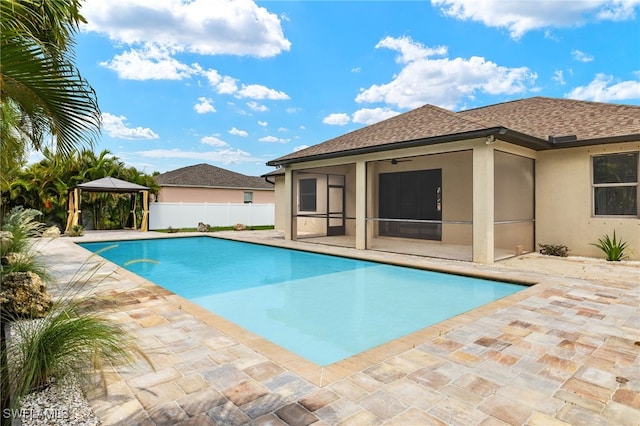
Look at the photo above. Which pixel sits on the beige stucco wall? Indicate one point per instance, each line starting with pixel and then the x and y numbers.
pixel 564 202
pixel 179 194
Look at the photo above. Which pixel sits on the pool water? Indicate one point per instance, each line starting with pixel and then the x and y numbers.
pixel 323 308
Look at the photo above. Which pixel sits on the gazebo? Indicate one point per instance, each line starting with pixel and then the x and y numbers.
pixel 109 184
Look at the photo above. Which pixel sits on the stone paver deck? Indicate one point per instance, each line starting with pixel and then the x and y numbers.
pixel 564 351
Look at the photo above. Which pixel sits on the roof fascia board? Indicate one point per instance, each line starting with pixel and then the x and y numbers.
pixel 598 141
pixel 501 133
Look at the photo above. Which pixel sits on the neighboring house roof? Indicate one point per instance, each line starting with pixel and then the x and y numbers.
pixel 537 123
pixel 206 175
pixel 109 184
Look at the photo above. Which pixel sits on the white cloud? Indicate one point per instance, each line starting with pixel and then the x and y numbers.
pixel 579 55
pixel 116 127
pixel 238 132
pixel 273 139
pixel 445 82
pixel 234 27
pixel 263 123
pixel 300 147
pixel 603 89
pixel 558 77
pixel 150 62
pixel 257 107
pixel 337 119
pixel 410 50
pixel 225 156
pixel 213 140
pixel 373 115
pixel 204 106
pixel 519 17
pixel 257 91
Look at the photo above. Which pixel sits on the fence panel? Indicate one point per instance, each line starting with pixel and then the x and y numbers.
pixel 188 215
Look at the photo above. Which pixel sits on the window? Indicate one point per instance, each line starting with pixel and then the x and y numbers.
pixel 615 184
pixel 307 195
pixel 248 197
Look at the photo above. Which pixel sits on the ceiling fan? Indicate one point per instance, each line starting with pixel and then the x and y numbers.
pixel 396 161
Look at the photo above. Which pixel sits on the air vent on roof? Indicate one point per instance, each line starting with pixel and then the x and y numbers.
pixel 562 139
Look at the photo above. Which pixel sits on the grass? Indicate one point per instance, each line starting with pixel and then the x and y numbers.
pixel 218 228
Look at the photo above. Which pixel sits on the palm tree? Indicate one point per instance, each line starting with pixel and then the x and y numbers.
pixel 42 93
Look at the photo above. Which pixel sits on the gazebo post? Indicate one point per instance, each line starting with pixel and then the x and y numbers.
pixel 144 226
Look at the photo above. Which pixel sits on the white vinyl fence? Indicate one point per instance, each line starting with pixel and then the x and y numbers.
pixel 188 215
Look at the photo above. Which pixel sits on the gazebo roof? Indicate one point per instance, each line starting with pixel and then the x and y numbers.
pixel 109 184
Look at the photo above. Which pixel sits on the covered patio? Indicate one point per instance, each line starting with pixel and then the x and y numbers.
pixel 468 200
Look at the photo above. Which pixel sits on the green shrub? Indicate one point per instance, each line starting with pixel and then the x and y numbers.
pixel 612 247
pixel 554 250
pixel 76 231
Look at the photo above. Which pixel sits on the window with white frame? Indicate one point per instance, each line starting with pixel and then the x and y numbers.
pixel 248 197
pixel 615 184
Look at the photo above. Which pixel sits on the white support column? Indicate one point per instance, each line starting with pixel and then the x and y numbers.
pixel 483 204
pixel 361 205
pixel 290 224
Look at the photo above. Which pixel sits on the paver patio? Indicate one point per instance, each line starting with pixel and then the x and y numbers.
pixel 565 351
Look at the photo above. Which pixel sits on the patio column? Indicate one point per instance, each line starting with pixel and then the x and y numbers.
pixel 361 205
pixel 290 224
pixel 483 203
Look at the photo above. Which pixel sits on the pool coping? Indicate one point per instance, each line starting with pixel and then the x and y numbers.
pixel 326 375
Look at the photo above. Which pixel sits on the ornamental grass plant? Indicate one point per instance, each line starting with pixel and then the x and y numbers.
pixel 69 338
pixel 613 248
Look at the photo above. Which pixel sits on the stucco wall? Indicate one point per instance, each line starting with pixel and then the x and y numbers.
pixel 175 194
pixel 564 213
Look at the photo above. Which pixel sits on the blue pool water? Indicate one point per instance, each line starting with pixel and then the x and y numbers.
pixel 323 308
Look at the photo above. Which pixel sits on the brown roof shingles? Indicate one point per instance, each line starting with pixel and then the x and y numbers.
pixel 205 175
pixel 537 117
pixel 543 117
pixel 425 122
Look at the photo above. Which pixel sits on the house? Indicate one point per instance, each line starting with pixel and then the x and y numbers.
pixel 480 185
pixel 204 183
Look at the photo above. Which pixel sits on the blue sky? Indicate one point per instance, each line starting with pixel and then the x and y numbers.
pixel 238 83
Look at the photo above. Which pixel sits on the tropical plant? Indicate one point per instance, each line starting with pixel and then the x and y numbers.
pixel 19 226
pixel 554 250
pixel 612 247
pixel 46 184
pixel 43 94
pixel 76 231
pixel 71 340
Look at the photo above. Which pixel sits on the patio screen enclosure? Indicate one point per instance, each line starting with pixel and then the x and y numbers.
pixel 427 201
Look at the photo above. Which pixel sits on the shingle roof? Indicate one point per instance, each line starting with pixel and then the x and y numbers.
pixel 527 121
pixel 543 117
pixel 206 175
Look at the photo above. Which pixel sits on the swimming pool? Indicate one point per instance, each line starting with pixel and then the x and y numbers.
pixel 323 308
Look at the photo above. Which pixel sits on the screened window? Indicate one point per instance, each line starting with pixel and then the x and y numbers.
pixel 308 196
pixel 615 184
pixel 248 197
